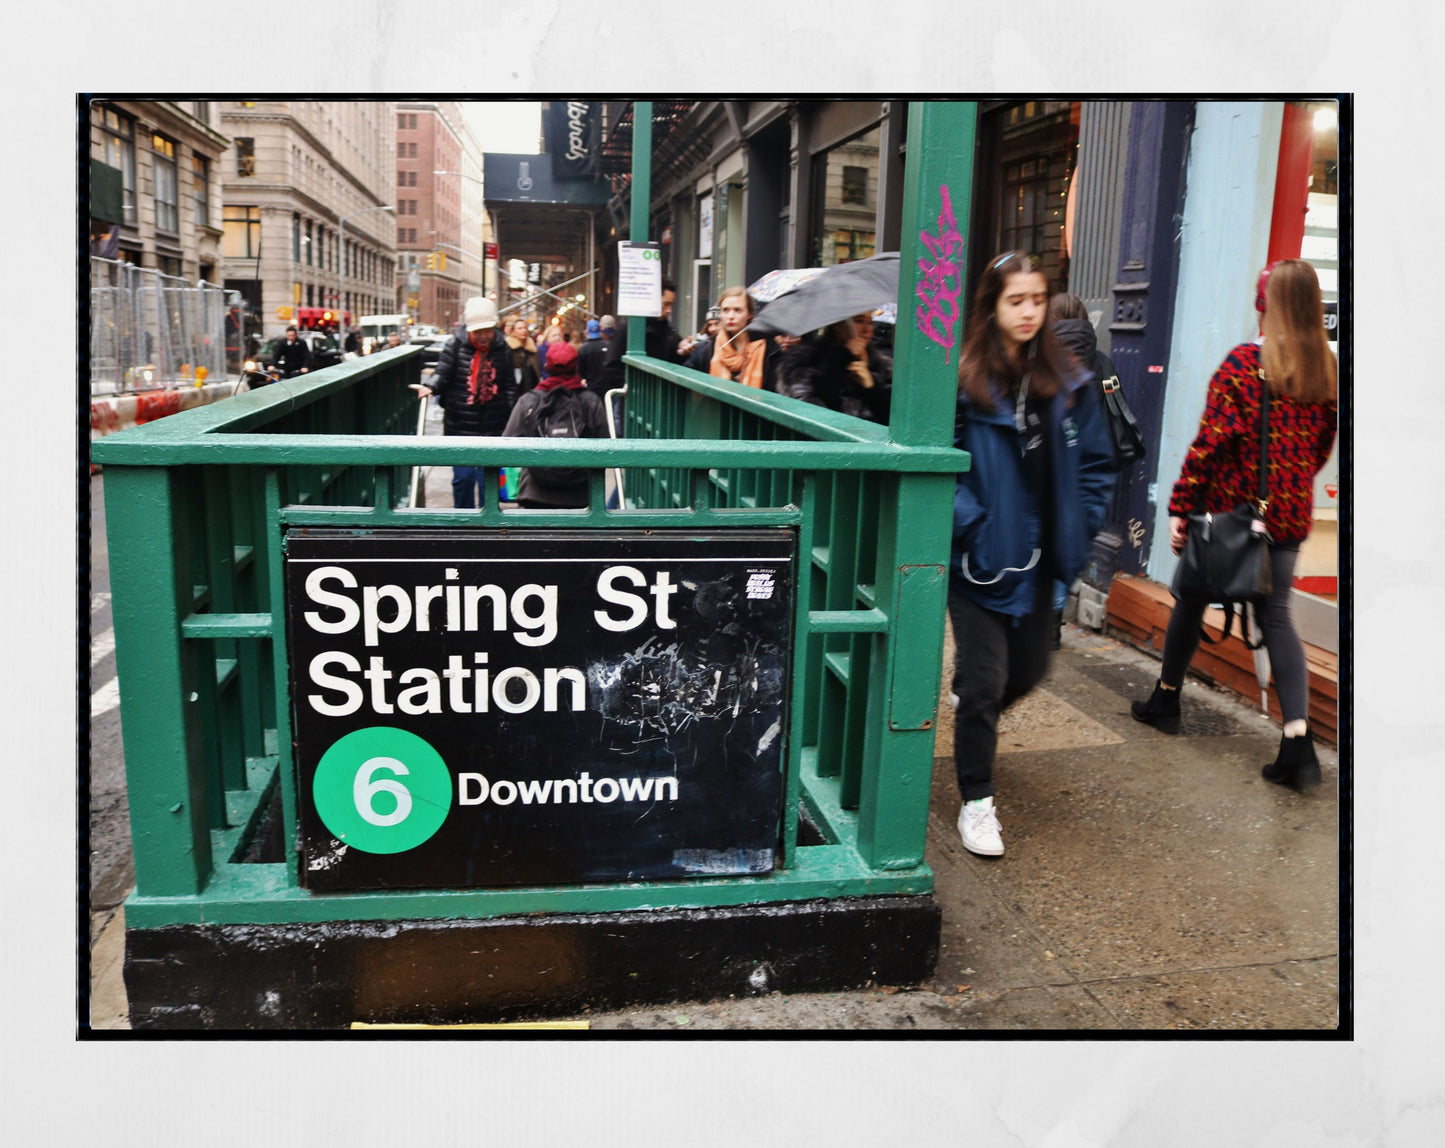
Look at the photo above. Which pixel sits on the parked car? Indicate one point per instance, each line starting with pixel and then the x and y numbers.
pixel 323 348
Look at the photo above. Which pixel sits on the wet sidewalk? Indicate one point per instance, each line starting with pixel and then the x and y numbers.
pixel 1150 882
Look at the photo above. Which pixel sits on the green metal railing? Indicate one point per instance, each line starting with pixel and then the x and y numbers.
pixel 197 505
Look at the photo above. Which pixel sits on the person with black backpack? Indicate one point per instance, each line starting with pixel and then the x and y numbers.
pixel 559 407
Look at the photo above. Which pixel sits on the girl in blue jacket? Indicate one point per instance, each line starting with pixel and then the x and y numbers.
pixel 1040 474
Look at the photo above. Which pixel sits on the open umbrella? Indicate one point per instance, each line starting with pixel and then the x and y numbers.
pixel 840 292
pixel 781 281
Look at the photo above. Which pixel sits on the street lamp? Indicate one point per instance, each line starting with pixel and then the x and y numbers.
pixel 341 262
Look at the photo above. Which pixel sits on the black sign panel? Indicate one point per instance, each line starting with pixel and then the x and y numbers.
pixel 574 137
pixel 482 708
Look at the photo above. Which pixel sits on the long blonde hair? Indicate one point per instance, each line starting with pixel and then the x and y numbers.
pixel 1296 356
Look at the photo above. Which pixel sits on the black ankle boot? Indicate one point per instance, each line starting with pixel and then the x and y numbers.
pixel 1296 766
pixel 1161 710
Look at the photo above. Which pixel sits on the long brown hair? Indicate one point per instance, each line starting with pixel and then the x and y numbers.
pixel 1296 356
pixel 983 358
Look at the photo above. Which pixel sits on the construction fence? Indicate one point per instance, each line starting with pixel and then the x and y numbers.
pixel 150 331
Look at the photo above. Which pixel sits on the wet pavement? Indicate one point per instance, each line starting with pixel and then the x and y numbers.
pixel 1150 882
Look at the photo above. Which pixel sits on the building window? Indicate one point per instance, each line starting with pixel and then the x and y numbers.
pixel 201 109
pixel 169 265
pixel 201 187
pixel 118 135
pixel 411 122
pixel 411 151
pixel 242 228
pixel 163 163
pixel 842 223
pixel 245 156
pixel 306 243
pixel 411 234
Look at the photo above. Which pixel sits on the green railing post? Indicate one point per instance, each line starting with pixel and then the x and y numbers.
pixel 158 670
pixel 641 209
pixel 915 520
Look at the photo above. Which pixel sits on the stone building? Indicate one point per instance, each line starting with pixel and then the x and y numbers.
pixel 300 180
pixel 163 158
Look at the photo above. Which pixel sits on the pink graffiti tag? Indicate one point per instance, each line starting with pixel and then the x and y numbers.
pixel 941 281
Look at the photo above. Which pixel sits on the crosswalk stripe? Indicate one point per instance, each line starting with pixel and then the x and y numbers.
pixel 101 646
pixel 105 699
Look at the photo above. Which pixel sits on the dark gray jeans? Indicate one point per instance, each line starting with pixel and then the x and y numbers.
pixel 996 660
pixel 1286 653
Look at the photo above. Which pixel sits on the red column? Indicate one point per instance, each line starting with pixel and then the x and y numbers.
pixel 1292 184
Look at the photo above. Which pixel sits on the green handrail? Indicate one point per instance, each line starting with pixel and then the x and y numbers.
pixel 197 505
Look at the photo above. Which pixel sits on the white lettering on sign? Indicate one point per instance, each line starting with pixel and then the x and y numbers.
pixel 661 589
pixel 418 690
pixel 529 613
pixel 760 585
pixel 576 130
pixel 476 789
pixel 390 609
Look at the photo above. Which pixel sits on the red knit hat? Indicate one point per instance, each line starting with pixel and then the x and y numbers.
pixel 562 359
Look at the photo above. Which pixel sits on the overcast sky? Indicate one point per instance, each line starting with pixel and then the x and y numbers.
pixel 506 126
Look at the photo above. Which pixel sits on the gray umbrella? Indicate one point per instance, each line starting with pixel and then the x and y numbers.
pixel 841 292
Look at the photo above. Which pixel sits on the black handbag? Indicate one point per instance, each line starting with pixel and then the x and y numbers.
pixel 1226 556
pixel 1128 442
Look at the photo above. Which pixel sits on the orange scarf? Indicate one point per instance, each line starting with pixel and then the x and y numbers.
pixel 743 364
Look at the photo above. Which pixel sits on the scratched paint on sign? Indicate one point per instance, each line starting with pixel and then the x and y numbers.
pixel 940 279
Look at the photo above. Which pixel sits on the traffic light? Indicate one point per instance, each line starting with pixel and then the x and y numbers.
pixel 431 262
pixel 441 260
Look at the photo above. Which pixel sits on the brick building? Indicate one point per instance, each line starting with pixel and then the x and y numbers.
pixel 441 227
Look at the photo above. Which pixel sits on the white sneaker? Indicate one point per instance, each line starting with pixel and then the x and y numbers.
pixel 978 826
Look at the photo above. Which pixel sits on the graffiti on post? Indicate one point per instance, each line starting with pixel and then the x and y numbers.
pixel 940 280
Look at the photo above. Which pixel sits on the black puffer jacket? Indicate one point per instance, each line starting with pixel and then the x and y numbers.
pixel 451 380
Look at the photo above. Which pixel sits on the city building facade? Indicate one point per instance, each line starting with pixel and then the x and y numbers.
pixel 441 226
pixel 308 187
pixel 1158 214
pixel 163 157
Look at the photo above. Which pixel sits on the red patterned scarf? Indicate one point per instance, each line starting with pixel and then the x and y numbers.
pixel 482 383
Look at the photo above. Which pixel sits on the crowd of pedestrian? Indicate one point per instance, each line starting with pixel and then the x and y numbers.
pixel 1032 415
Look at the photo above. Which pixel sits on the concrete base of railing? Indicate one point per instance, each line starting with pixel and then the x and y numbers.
pixel 326 976
pixel 110 413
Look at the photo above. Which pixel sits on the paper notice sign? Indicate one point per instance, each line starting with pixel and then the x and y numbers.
pixel 639 279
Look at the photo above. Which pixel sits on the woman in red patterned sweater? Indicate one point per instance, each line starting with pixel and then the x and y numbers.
pixel 1221 471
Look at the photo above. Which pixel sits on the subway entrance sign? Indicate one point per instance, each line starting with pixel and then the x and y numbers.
pixel 489 707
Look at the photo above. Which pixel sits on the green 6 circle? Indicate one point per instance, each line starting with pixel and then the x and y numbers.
pixel 382 790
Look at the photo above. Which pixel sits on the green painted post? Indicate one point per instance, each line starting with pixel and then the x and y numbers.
pixel 158 672
pixel 641 204
pixel 916 510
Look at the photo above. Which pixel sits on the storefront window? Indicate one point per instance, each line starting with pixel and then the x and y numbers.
pixel 1036 150
pixel 845 201
pixel 1321 244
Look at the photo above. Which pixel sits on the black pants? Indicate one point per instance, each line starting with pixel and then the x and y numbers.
pixel 1286 653
pixel 997 660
